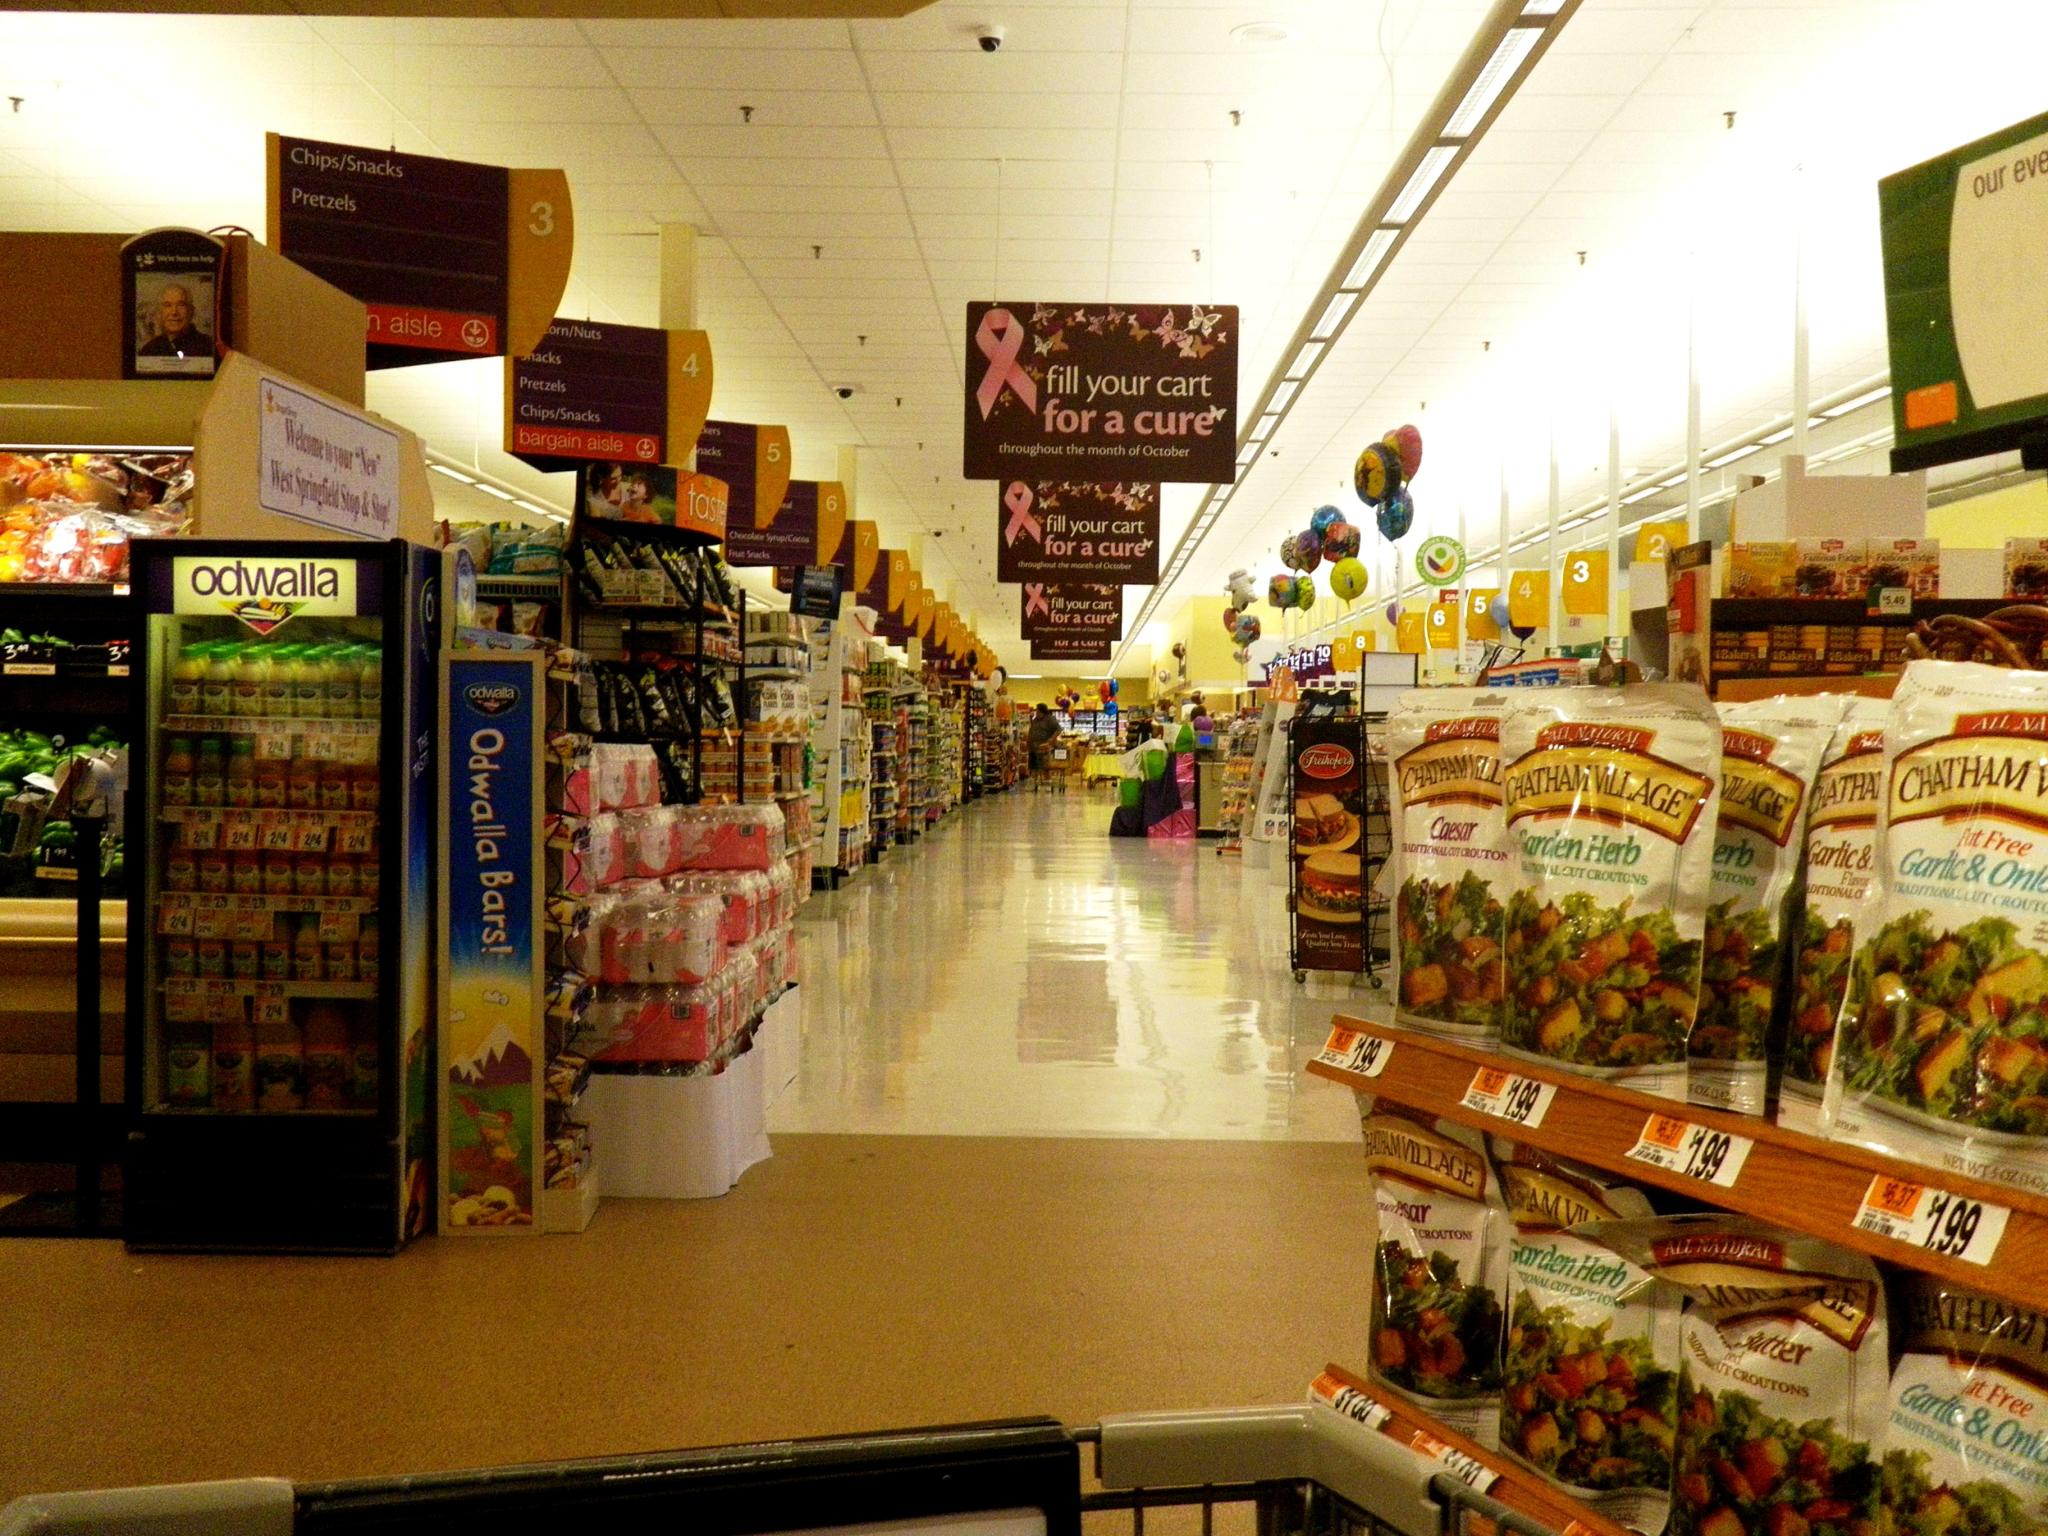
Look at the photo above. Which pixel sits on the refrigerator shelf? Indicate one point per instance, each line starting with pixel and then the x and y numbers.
pixel 261 725
pixel 266 816
pixel 249 901
pixel 208 1112
pixel 215 986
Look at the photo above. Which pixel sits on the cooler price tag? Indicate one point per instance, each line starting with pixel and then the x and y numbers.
pixel 253 926
pixel 1509 1096
pixel 275 834
pixel 273 746
pixel 310 835
pixel 200 832
pixel 1355 1051
pixel 238 835
pixel 1894 600
pixel 1469 1470
pixel 271 1004
pixel 175 922
pixel 1921 1216
pixel 212 922
pixel 336 927
pixel 1691 1151
pixel 323 746
pixel 356 837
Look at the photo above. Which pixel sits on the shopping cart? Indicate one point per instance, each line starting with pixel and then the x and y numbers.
pixel 1299 1470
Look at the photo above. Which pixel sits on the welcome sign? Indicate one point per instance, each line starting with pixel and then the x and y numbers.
pixel 1072 530
pixel 1144 392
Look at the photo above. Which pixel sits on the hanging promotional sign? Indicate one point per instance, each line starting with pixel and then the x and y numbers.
pixel 1071 648
pixel 1965 243
pixel 1073 530
pixel 1440 561
pixel 493 1029
pixel 450 259
pixel 1328 778
pixel 174 287
pixel 1442 625
pixel 753 461
pixel 1529 599
pixel 1051 611
pixel 1585 582
pixel 625 394
pixel 1655 541
pixel 815 592
pixel 652 495
pixel 1410 632
pixel 1098 392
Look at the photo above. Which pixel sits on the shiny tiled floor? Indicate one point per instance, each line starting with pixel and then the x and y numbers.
pixel 1018 972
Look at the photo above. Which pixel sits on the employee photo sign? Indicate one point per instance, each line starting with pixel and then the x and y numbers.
pixel 1099 392
pixel 1073 530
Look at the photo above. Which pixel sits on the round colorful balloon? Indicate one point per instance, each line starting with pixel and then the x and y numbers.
pixel 1340 541
pixel 1406 441
pixel 1323 517
pixel 1308 549
pixel 1377 474
pixel 1280 592
pixel 1248 628
pixel 1497 610
pixel 1394 611
pixel 1230 618
pixel 1397 515
pixel 1348 579
pixel 1304 592
pixel 1290 554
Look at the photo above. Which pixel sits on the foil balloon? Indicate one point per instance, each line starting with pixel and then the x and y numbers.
pixel 1304 592
pixel 1394 611
pixel 1323 517
pixel 1290 553
pixel 1230 618
pixel 1406 440
pixel 1240 656
pixel 1280 591
pixel 1497 610
pixel 1348 579
pixel 1397 514
pixel 1340 542
pixel 1248 628
pixel 1112 687
pixel 1308 549
pixel 1242 593
pixel 1523 631
pixel 1377 474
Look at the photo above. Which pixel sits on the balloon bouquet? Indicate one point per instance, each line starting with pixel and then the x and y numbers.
pixel 1238 621
pixel 1381 477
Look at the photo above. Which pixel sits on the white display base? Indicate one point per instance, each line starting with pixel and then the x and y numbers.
pixel 780 1042
pixel 679 1138
pixel 570 1210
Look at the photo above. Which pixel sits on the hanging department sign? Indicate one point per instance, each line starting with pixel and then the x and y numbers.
pixel 619 394
pixel 812 514
pixel 1072 530
pixel 754 464
pixel 1099 392
pixel 450 259
pixel 320 464
pixel 1073 611
pixel 1965 243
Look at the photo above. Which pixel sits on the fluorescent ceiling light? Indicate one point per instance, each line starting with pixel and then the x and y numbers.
pixel 1543 7
pixel 1731 456
pixel 1774 437
pixel 1643 495
pixel 452 474
pixel 492 490
pixel 1435 161
pixel 1493 79
pixel 1868 397
pixel 1370 255
pixel 1265 426
pixel 1246 454
pixel 1282 394
pixel 536 508
pixel 1305 359
pixel 1333 315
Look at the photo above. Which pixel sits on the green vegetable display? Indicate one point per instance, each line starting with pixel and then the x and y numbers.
pixel 1594 985
pixel 1590 1412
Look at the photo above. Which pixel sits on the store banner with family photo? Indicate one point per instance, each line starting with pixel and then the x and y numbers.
pixel 1080 610
pixel 451 259
pixel 653 495
pixel 1074 530
pixel 753 461
pixel 1101 392
pixel 1328 770
pixel 629 394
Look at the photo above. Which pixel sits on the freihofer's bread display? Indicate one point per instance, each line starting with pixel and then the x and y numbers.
pixel 1770 752
pixel 1841 847
pixel 1438 1267
pixel 1450 860
pixel 1944 1062
pixel 1610 824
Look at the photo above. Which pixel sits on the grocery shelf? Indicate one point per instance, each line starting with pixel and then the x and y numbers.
pixel 1778 1175
pixel 214 986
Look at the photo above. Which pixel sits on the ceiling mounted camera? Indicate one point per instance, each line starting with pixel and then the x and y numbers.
pixel 990 39
pixel 843 391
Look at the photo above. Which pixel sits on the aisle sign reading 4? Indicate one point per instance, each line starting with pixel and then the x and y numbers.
pixel 1529 599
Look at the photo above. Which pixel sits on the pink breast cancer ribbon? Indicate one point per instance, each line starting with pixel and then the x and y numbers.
pixel 1001 339
pixel 1018 499
pixel 1034 600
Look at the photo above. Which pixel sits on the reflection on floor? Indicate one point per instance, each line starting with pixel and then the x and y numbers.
pixel 1020 972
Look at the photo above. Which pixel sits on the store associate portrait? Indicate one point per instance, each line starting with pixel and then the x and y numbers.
pixel 177 331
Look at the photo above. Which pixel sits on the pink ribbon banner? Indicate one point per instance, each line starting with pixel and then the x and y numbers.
pixel 1067 531
pixel 1075 609
pixel 1001 337
pixel 1017 500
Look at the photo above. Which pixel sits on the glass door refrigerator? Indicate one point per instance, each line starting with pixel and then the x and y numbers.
pixel 280 811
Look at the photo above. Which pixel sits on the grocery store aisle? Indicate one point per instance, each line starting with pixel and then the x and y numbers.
pixel 1020 972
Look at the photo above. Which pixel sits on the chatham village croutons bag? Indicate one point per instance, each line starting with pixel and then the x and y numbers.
pixel 1611 796
pixel 1771 750
pixel 1944 1062
pixel 1450 860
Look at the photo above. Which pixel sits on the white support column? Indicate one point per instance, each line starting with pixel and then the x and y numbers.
pixel 1556 573
pixel 1614 597
pixel 1692 418
pixel 1801 384
pixel 677 299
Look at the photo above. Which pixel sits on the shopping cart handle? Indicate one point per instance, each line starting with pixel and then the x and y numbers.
pixel 248 1506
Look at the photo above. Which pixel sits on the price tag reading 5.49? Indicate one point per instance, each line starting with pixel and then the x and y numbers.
pixel 1934 1220
pixel 1516 1099
pixel 1356 1051
pixel 1692 1151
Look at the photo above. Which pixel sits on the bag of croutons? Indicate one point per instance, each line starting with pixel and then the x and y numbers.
pixel 1965 1452
pixel 1450 860
pixel 1770 751
pixel 1610 796
pixel 1841 850
pixel 1437 1267
pixel 1589 1377
pixel 1782 1375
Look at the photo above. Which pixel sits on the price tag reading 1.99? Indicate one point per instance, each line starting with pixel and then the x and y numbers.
pixel 1356 1051
pixel 1934 1220
pixel 1509 1096
pixel 1692 1151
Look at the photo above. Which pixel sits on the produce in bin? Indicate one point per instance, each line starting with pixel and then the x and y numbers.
pixel 1944 1061
pixel 1610 833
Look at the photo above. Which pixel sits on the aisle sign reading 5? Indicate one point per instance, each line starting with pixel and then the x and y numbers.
pixel 1479 623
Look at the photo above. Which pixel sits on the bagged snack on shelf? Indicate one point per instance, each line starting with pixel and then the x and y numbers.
pixel 1439 1267
pixel 1610 796
pixel 1943 1061
pixel 1770 752
pixel 1963 1451
pixel 1450 860
pixel 527 549
pixel 1782 1375
pixel 1840 863
pixel 1589 1365
pixel 474 537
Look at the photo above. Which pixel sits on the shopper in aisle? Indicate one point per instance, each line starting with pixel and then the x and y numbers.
pixel 1042 733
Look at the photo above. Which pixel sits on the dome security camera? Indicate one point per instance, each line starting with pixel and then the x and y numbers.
pixel 990 38
pixel 843 391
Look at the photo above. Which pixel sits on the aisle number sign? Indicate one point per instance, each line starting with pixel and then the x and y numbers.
pixel 1529 599
pixel 1655 541
pixel 1409 635
pixel 1585 582
pixel 1443 626
pixel 1479 623
pixel 1344 655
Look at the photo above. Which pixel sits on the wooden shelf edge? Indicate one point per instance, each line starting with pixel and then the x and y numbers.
pixel 1516 1486
pixel 1790 1179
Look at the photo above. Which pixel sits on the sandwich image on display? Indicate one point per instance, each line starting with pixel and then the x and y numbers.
pixel 1332 888
pixel 1319 819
